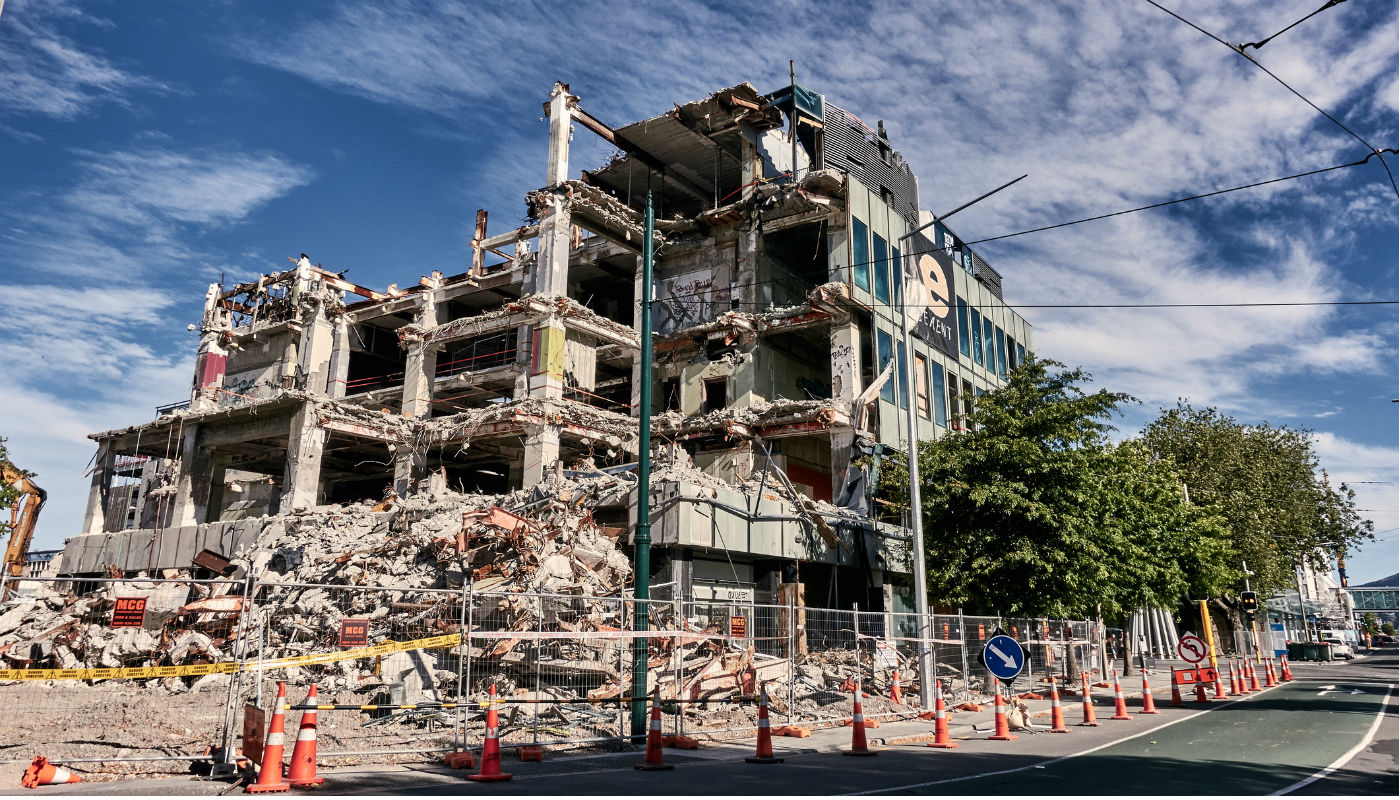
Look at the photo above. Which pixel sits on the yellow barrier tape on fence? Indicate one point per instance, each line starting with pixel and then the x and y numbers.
pixel 122 673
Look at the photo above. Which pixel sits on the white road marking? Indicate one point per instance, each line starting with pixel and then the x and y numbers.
pixel 1044 764
pixel 1348 755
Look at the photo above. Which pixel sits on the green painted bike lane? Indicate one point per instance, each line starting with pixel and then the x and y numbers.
pixel 1254 746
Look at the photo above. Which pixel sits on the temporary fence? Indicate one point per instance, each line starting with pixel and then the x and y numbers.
pixel 402 670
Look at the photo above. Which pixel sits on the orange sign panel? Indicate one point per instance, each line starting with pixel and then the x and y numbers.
pixel 129 612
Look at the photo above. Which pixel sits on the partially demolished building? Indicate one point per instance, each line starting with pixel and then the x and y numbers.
pixel 787 271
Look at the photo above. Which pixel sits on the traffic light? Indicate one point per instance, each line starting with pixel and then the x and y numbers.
pixel 1249 601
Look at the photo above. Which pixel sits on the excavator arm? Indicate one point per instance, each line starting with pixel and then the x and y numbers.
pixel 24 514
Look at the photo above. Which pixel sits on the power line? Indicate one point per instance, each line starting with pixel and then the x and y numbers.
pixel 1240 50
pixel 1267 39
pixel 1179 200
pixel 1090 219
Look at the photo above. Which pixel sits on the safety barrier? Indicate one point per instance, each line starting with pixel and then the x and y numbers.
pixel 403 671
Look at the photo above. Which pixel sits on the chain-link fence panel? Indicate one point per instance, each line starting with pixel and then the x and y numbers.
pixel 135 671
pixel 384 647
pixel 560 664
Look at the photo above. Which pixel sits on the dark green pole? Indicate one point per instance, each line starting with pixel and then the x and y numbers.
pixel 642 556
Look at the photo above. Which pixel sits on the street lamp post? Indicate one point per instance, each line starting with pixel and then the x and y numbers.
pixel 916 520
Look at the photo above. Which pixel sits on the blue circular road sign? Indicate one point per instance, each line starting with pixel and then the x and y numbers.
pixel 1004 657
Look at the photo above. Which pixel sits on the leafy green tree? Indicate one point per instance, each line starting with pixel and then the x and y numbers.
pixel 1034 511
pixel 1387 629
pixel 1279 506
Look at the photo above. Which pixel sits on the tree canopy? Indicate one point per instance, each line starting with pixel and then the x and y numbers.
pixel 1266 482
pixel 1034 511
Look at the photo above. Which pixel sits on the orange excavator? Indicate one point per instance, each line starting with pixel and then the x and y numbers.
pixel 23 516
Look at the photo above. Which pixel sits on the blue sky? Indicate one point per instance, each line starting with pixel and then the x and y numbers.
pixel 148 148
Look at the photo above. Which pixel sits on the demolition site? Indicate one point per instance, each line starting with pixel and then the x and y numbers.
pixel 448 469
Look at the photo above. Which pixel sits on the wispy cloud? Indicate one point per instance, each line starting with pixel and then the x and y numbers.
pixel 44 72
pixel 102 283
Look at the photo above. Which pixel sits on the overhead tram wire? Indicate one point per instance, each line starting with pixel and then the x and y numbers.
pixel 1239 50
pixel 1267 39
pixel 1091 219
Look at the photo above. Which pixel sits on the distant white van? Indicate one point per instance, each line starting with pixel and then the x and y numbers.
pixel 1349 636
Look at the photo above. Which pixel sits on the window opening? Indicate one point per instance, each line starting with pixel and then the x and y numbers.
pixel 716 395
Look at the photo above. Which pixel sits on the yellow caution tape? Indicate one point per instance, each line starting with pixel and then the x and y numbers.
pixel 126 673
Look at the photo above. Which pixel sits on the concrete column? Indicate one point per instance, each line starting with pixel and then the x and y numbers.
pixel 211 358
pixel 192 481
pixel 314 354
pixel 845 385
pixel 541 451
pixel 552 267
pixel 547 360
pixel 750 167
pixel 421 368
pixel 339 370
pixel 420 371
pixel 301 479
pixel 218 475
pixel 95 518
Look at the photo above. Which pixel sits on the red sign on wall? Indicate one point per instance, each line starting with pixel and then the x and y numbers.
pixel 354 632
pixel 738 627
pixel 129 612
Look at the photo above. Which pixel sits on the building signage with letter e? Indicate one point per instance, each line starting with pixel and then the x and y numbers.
pixel 129 612
pixel 928 284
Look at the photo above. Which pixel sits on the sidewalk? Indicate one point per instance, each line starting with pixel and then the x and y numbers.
pixel 970 729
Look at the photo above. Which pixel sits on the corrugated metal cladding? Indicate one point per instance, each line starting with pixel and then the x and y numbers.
pixel 984 272
pixel 850 146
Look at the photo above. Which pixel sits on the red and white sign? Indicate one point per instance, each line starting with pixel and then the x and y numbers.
pixel 1192 649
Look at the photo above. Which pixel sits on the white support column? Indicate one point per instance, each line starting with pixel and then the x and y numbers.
pixel 541 451
pixel 192 481
pixel 301 479
pixel 551 272
pixel 95 518
pixel 211 358
pixel 845 386
pixel 340 359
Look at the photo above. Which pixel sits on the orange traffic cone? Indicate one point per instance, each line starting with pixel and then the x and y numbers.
pixel 42 773
pixel 1287 673
pixel 1003 731
pixel 1220 693
pixel 1269 681
pixel 1201 696
pixel 1057 715
pixel 1089 720
pixel 270 777
pixel 895 694
pixel 491 748
pixel 1253 679
pixel 652 760
pixel 1120 706
pixel 1148 707
pixel 764 753
pixel 940 720
pixel 858 745
pixel 1236 687
pixel 302 773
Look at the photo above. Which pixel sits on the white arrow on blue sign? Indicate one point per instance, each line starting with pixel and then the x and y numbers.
pixel 1004 657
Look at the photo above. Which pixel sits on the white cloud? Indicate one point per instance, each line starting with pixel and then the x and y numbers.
pixel 106 277
pixel 44 72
